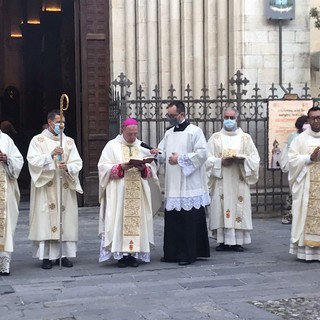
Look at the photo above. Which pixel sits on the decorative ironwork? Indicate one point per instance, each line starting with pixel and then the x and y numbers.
pixel 273 90
pixel 305 94
pixel 269 194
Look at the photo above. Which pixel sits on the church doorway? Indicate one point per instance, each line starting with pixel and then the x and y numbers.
pixel 39 58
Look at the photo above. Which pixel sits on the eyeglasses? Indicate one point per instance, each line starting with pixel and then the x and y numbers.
pixel 314 118
pixel 229 117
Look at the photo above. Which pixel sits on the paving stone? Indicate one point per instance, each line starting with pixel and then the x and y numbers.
pixel 212 284
pixel 225 286
pixel 6 289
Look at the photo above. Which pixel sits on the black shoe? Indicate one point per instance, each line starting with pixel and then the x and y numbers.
pixel 4 274
pixel 46 264
pixel 184 263
pixel 237 248
pixel 132 262
pixel 222 247
pixel 122 263
pixel 65 262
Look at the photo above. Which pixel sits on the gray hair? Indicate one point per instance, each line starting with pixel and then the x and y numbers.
pixel 231 109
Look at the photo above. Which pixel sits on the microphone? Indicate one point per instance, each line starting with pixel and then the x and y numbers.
pixel 144 145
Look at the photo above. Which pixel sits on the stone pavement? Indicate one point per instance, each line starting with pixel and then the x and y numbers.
pixel 264 282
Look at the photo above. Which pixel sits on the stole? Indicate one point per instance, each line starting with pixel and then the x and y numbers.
pixel 3 205
pixel 132 203
pixel 312 225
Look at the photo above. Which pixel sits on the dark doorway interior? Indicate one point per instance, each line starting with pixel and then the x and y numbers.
pixel 47 50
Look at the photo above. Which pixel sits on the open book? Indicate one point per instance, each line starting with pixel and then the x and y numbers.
pixel 138 162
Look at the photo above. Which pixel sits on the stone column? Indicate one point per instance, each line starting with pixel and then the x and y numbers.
pixel 142 48
pixel 211 78
pixel 117 33
pixel 131 45
pixel 236 37
pixel 152 46
pixel 198 50
pixel 164 47
pixel 222 41
pixel 175 46
pixel 187 44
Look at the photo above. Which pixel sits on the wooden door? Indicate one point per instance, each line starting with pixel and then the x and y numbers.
pixel 93 87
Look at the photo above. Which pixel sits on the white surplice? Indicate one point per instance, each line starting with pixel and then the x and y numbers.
pixel 112 199
pixel 9 198
pixel 230 209
pixel 186 182
pixel 46 181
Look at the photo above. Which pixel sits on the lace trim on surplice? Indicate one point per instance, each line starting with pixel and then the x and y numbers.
pixel 187 203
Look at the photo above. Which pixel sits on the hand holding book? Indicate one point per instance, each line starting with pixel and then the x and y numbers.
pixel 139 162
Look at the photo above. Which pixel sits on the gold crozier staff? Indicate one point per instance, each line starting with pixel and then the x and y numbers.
pixel 64 104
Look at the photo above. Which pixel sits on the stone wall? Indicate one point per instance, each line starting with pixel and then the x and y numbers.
pixel 203 42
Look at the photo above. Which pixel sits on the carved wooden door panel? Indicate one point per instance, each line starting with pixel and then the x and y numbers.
pixel 94 82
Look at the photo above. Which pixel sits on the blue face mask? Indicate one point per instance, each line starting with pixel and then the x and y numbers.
pixel 229 124
pixel 56 128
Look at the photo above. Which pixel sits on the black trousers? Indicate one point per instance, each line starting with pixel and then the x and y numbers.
pixel 185 235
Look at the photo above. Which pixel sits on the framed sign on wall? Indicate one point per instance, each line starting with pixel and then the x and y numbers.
pixel 282 115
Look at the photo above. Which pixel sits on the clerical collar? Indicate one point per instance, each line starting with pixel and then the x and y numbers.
pixel 50 135
pixel 182 126
pixel 312 133
pixel 231 133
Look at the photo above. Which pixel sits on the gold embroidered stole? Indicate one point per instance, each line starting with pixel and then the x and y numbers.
pixel 53 186
pixel 52 191
pixel 3 211
pixel 312 225
pixel 132 203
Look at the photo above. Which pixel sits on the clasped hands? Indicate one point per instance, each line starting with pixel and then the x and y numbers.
pixel 3 157
pixel 315 154
pixel 173 159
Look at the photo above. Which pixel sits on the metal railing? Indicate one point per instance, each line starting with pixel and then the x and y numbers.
pixel 269 194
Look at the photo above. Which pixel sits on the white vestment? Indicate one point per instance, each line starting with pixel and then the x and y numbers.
pixel 45 203
pixel 116 207
pixel 186 182
pixel 230 209
pixel 304 180
pixel 9 198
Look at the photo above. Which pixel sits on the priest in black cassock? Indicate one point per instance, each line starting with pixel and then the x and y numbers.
pixel 184 151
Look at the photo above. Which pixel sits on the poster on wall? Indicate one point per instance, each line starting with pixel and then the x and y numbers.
pixel 282 115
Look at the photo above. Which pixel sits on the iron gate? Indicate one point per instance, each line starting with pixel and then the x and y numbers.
pixel 269 194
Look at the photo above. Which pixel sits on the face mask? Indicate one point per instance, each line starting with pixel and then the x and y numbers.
pixel 56 128
pixel 173 121
pixel 305 126
pixel 229 124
